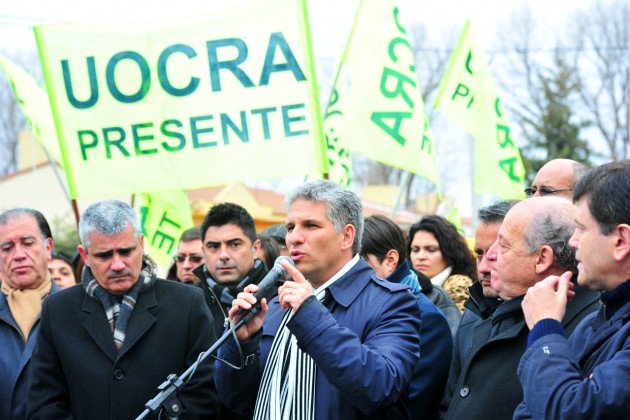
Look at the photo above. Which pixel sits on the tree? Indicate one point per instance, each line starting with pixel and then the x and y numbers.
pixel 553 131
pixel 11 118
pixel 603 62
pixel 544 95
pixel 11 122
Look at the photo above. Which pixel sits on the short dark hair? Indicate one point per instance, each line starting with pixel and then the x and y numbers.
pixel 229 214
pixel 608 190
pixel 495 213
pixel 42 223
pixel 380 235
pixel 452 245
pixel 191 234
pixel 271 250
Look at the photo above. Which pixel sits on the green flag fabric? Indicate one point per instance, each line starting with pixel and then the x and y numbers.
pixel 377 108
pixel 455 219
pixel 202 101
pixel 33 101
pixel 164 216
pixel 468 96
pixel 339 158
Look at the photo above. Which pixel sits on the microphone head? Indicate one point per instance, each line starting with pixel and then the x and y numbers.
pixel 281 268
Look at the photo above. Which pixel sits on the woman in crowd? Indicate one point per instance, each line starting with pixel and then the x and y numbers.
pixel 61 271
pixel 437 250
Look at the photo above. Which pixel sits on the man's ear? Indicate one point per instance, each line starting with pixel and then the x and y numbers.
pixel 83 253
pixel 256 247
pixel 49 245
pixel 544 259
pixel 348 232
pixel 391 261
pixel 621 248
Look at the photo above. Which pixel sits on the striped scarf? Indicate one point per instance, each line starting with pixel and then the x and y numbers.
pixel 118 313
pixel 287 389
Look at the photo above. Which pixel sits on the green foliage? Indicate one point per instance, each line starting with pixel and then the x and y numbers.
pixel 553 130
pixel 65 235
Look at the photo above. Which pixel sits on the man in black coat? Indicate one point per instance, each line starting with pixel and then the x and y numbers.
pixel 106 345
pixel 532 244
pixel 230 246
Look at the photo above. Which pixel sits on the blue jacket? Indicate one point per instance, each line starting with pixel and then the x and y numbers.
pixel 363 339
pixel 436 347
pixel 15 361
pixel 585 377
pixel 487 387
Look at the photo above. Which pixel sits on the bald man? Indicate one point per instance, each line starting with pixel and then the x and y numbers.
pixel 556 177
pixel 532 243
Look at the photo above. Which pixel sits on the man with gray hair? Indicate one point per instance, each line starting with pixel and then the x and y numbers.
pixel 337 341
pixel 104 348
pixel 25 249
pixel 532 243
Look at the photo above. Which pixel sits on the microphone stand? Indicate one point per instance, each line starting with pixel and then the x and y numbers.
pixel 167 397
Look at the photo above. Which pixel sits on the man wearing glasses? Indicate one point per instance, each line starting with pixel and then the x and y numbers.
pixel 189 255
pixel 556 177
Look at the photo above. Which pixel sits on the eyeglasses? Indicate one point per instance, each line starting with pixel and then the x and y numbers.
pixel 530 191
pixel 195 259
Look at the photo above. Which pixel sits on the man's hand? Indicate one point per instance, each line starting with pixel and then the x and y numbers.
pixel 293 293
pixel 246 300
pixel 548 299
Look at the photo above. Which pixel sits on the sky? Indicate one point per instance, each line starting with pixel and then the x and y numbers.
pixel 330 24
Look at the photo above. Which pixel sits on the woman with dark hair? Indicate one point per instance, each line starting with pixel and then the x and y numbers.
pixel 437 250
pixel 269 251
pixel 61 270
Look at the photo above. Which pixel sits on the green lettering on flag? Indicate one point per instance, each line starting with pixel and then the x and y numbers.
pixel 35 106
pixel 378 103
pixel 207 100
pixel 339 159
pixel 467 96
pixel 164 216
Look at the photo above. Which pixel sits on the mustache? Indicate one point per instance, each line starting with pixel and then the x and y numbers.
pixel 113 274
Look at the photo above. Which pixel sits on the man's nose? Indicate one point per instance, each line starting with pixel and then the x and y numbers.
pixel 19 253
pixel 117 263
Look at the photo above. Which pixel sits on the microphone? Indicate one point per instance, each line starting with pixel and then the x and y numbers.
pixel 276 274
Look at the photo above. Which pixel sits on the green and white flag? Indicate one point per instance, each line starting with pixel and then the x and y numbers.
pixel 377 108
pixel 33 101
pixel 164 216
pixel 468 96
pixel 208 100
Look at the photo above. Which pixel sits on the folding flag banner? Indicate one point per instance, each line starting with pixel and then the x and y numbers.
pixel 455 219
pixel 164 216
pixel 33 101
pixel 378 104
pixel 339 158
pixel 207 100
pixel 467 96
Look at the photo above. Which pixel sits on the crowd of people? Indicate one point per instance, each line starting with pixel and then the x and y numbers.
pixel 370 321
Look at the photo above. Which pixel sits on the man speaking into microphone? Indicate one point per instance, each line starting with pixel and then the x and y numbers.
pixel 337 342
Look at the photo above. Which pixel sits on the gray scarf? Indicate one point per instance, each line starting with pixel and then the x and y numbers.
pixel 119 313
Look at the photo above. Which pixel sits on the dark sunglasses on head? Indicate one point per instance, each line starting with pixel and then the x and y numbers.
pixel 530 191
pixel 195 259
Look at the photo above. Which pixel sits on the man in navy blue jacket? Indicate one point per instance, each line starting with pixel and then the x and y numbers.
pixel 588 375
pixel 337 342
